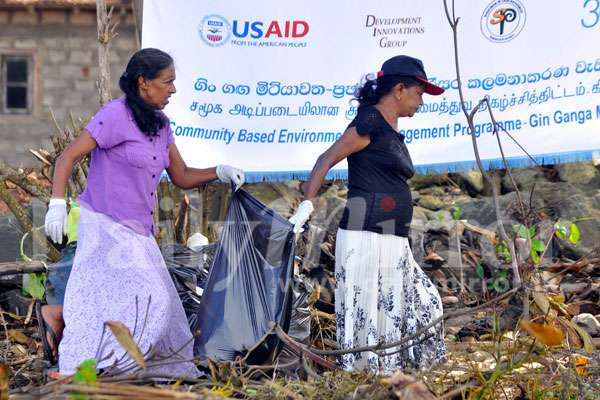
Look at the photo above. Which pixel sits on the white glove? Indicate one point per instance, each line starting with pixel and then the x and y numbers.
pixel 229 174
pixel 56 220
pixel 302 215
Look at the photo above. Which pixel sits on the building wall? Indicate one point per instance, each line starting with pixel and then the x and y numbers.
pixel 64 47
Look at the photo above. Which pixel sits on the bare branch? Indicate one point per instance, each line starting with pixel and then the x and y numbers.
pixel 521 147
pixel 469 117
pixel 447 13
pixel 421 331
pixel 21 267
pixel 22 180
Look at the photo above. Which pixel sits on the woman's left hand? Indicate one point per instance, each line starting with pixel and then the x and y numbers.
pixel 229 174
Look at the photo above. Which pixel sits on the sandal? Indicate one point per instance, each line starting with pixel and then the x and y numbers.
pixel 45 330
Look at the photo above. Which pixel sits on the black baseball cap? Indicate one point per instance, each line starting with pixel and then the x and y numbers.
pixel 409 66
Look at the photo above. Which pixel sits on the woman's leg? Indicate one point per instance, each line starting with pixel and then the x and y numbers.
pixel 53 317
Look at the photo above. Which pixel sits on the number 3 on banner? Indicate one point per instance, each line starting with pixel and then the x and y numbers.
pixel 595 12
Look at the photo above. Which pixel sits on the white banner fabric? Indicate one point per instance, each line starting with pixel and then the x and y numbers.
pixel 267 86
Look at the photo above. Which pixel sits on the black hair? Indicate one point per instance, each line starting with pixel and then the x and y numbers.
pixel 372 90
pixel 146 63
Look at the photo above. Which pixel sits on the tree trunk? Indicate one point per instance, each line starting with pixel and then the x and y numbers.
pixel 138 14
pixel 104 37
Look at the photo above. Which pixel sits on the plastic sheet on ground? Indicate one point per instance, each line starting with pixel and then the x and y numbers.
pixel 248 286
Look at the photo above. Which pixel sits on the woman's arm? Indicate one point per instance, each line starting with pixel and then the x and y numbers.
pixel 184 176
pixel 349 143
pixel 79 148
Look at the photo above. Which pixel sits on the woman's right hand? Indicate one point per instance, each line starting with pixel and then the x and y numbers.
pixel 229 174
pixel 56 220
pixel 302 215
pixel 56 216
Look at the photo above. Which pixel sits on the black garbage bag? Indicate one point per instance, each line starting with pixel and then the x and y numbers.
pixel 248 286
pixel 189 271
pixel 300 318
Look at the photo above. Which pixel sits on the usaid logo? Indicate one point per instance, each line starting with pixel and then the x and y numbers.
pixel 214 30
pixel 503 20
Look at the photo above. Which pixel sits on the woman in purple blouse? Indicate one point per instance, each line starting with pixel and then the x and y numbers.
pixel 118 272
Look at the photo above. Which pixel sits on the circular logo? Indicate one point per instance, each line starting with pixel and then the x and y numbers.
pixel 503 20
pixel 388 204
pixel 214 30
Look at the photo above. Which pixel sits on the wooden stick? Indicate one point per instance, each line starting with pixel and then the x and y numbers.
pixel 182 223
pixel 20 179
pixel 418 333
pixel 129 391
pixel 21 267
pixel 301 349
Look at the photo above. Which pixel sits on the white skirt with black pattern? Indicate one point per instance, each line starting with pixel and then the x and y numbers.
pixel 382 296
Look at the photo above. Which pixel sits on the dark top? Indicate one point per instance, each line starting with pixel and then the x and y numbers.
pixel 379 198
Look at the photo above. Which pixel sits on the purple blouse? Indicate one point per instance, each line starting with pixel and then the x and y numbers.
pixel 125 167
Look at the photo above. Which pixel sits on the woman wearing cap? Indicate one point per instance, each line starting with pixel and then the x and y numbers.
pixel 381 295
pixel 118 272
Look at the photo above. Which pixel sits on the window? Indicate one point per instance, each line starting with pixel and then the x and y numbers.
pixel 16 93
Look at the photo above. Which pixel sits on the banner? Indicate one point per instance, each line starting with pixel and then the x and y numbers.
pixel 267 86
